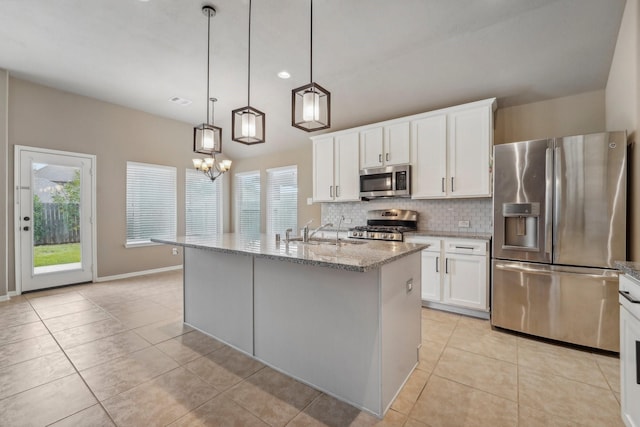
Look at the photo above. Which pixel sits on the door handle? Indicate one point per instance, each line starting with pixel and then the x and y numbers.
pixel 443 184
pixel 337 191
pixel 331 191
pixel 25 228
pixel 628 297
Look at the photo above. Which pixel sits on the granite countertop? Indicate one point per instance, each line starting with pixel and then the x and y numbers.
pixel 348 256
pixel 454 234
pixel 629 267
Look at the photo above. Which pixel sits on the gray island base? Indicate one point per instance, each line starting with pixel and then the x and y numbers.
pixel 344 319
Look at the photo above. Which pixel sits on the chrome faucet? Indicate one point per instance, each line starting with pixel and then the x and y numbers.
pixel 287 235
pixel 305 231
pixel 328 224
pixel 338 230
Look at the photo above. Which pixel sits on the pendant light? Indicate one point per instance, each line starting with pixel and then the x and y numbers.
pixel 207 139
pixel 311 103
pixel 248 123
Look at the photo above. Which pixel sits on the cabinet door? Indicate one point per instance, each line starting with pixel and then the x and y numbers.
pixel 371 146
pixel 469 148
pixel 323 190
pixel 429 157
pixel 465 281
pixel 431 276
pixel 396 144
pixel 630 364
pixel 347 172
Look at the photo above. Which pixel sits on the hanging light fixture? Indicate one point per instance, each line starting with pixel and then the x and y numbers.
pixel 207 139
pixel 311 103
pixel 248 123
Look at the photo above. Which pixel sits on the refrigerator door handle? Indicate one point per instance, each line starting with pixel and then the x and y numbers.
pixel 557 195
pixel 548 203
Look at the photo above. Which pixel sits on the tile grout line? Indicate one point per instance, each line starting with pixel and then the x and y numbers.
pixel 77 372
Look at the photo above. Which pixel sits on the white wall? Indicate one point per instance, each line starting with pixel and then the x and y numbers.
pixel 4 175
pixel 623 109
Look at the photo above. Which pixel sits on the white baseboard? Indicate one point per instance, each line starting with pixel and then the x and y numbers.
pixel 4 298
pixel 138 273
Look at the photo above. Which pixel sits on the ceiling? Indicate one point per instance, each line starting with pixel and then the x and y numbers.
pixel 380 59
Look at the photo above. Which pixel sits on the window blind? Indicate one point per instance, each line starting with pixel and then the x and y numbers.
pixel 282 199
pixel 203 204
pixel 247 203
pixel 151 202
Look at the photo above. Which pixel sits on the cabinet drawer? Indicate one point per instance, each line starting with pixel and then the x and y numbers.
pixel 475 247
pixel 434 243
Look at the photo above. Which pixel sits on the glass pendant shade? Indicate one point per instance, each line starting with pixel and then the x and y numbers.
pixel 207 139
pixel 311 107
pixel 247 125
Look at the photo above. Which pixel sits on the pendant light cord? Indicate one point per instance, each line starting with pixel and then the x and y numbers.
pixel 249 61
pixel 311 45
pixel 208 60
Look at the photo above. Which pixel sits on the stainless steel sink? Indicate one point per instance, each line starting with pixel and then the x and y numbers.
pixel 319 241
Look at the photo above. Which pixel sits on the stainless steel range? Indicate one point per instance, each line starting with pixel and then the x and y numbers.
pixel 386 224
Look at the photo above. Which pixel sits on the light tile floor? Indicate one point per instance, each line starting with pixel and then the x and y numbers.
pixel 117 353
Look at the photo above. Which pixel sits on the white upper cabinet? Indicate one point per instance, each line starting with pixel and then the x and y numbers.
pixel 451 152
pixel 335 168
pixel 385 145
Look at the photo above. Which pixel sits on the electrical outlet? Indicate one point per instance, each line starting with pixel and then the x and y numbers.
pixel 174 251
pixel 463 224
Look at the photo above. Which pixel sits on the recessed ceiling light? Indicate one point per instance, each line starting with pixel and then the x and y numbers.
pixel 284 74
pixel 180 101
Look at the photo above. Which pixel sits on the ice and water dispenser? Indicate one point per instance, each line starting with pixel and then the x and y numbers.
pixel 521 222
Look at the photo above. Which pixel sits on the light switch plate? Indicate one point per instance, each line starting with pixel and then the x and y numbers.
pixel 463 224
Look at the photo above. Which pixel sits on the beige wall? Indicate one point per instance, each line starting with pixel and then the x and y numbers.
pixel 569 115
pixel 4 242
pixel 623 109
pixel 303 157
pixel 44 117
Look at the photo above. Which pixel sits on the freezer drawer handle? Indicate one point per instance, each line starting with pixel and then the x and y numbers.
pixel 627 295
pixel 637 362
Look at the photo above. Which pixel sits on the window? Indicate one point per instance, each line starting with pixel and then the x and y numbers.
pixel 203 204
pixel 247 195
pixel 282 199
pixel 151 202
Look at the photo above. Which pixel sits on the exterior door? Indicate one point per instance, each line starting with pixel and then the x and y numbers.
pixel 54 212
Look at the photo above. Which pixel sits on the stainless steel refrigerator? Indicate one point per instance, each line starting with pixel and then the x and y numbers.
pixel 559 224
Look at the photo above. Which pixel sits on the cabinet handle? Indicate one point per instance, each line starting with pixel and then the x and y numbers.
pixel 337 191
pixel 446 265
pixel 387 157
pixel 437 262
pixel 331 191
pixel 452 190
pixel 379 158
pixel 628 296
pixel 464 247
pixel 443 184
pixel 637 362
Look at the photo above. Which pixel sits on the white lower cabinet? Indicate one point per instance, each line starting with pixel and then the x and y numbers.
pixel 455 274
pixel 630 351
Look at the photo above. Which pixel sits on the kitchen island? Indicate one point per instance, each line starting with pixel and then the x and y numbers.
pixel 342 318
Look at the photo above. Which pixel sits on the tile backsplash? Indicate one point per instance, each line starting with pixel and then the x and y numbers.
pixel 433 215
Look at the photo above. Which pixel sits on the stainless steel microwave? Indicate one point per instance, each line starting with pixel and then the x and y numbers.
pixel 390 181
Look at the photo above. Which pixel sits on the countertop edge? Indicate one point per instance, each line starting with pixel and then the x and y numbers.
pixel 629 267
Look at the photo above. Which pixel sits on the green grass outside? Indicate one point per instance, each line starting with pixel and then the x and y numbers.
pixel 56 254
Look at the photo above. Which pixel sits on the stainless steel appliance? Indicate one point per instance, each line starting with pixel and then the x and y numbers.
pixel 390 181
pixel 559 223
pixel 386 224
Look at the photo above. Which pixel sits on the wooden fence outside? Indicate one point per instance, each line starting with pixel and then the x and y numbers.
pixel 57 223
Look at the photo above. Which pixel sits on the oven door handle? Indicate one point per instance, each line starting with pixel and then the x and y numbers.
pixel 627 295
